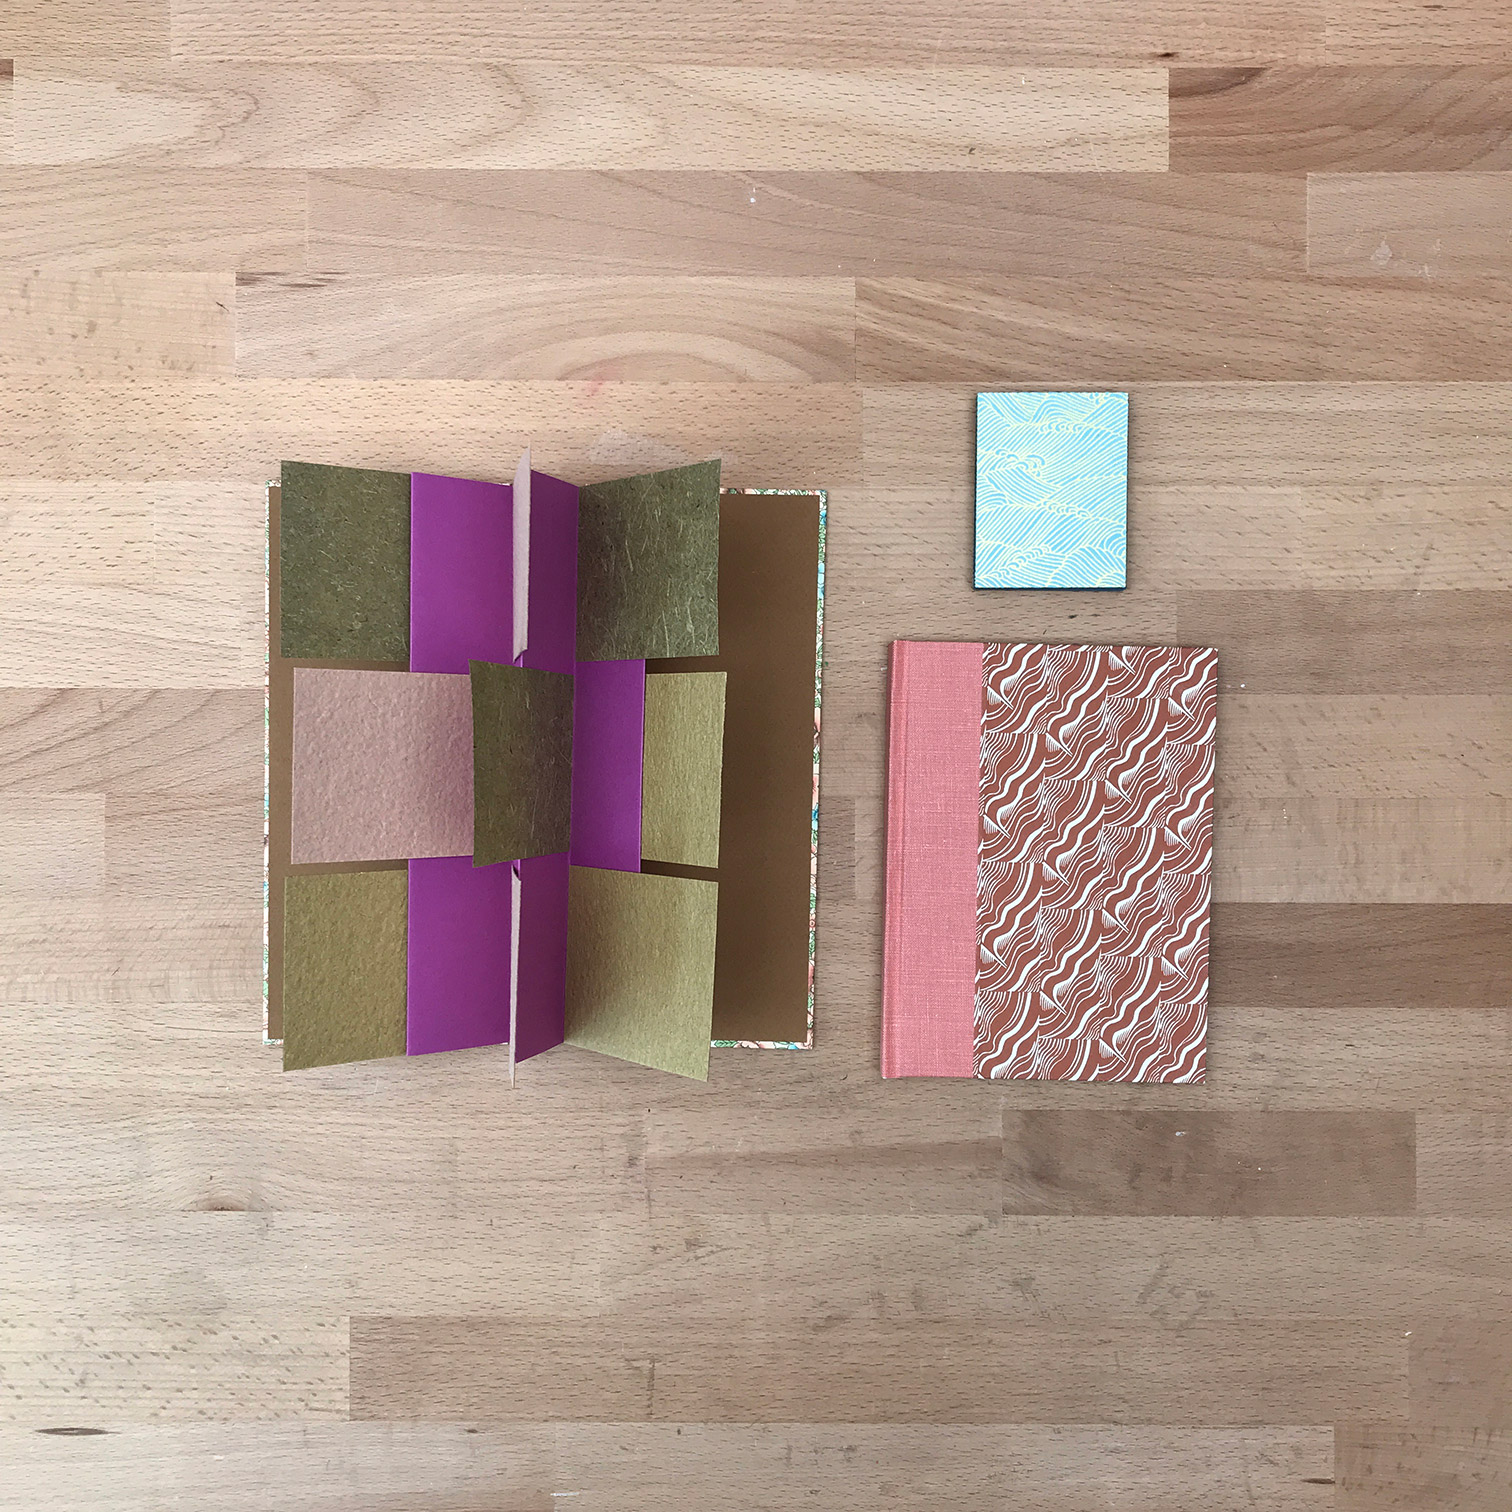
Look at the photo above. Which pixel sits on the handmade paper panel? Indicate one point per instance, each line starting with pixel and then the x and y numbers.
pixel 608 729
pixel 459 955
pixel 930 936
pixel 343 967
pixel 552 580
pixel 640 968
pixel 648 565
pixel 1096 848
pixel 522 762
pixel 461 574
pixel 382 765
pixel 1052 490
pixel 344 563
pixel 684 756
pixel 771 594
pixel 541 1017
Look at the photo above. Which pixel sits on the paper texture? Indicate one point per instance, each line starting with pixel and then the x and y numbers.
pixel 1052 490
pixel 1096 847
pixel 930 937
pixel 459 955
pixel 344 551
pixel 461 576
pixel 343 967
pixel 770 589
pixel 640 968
pixel 648 565
pixel 608 723
pixel 381 766
pixel 520 532
pixel 522 762
pixel 684 755
pixel 542 1008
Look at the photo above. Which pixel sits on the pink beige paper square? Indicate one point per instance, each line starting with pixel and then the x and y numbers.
pixel 1083 776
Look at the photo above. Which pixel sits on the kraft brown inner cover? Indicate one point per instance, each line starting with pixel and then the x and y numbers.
pixel 768 602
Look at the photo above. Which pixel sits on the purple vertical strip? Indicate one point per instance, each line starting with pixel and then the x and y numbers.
pixel 461 573
pixel 608 747
pixel 458 955
pixel 541 1013
pixel 551 635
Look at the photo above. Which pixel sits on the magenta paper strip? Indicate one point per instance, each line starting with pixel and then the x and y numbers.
pixel 458 955
pixel 541 1014
pixel 461 578
pixel 551 635
pixel 930 935
pixel 608 747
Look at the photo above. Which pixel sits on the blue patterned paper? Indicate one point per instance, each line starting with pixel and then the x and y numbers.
pixel 1052 490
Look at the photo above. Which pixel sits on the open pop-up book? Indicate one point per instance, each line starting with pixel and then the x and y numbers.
pixel 542 764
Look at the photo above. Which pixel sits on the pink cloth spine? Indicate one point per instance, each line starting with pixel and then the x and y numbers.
pixel 933 794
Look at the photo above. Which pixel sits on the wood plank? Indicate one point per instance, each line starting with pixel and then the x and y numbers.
pixel 893 33
pixel 1391 1467
pixel 1055 332
pixel 806 224
pixel 1466 1161
pixel 1379 33
pixel 1198 435
pixel 1220 1165
pixel 770 435
pixel 131 584
pixel 1431 228
pixel 663 1370
pixel 117 325
pixel 70 1371
pixel 627 1467
pixel 1399 642
pixel 762 330
pixel 123 219
pixel 1339 120
pixel 88 29
pixel 531 114
pixel 1460 1374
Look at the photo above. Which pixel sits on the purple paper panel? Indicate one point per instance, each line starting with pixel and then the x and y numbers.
pixel 458 955
pixel 541 1014
pixel 461 585
pixel 608 745
pixel 551 642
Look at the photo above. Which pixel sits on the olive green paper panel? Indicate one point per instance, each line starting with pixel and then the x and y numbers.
pixel 681 769
pixel 344 966
pixel 522 762
pixel 640 967
pixel 648 565
pixel 344 563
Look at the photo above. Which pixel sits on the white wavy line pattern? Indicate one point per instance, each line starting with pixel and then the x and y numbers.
pixel 1051 490
pixel 1096 854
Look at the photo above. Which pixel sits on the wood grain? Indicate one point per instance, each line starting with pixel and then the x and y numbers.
pixel 764 330
pixel 1339 120
pixel 805 224
pixel 595 115
pixel 639 235
pixel 1431 228
pixel 1207 1164
pixel 440 1369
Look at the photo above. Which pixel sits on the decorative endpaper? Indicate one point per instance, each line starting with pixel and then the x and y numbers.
pixel 382 766
pixel 522 762
pixel 1096 850
pixel 648 565
pixel 344 563
pixel 640 968
pixel 343 967
pixel 1052 490
pixel 684 756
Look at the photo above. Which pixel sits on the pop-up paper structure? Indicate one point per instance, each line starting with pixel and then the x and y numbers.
pixel 543 764
pixel 1052 490
pixel 1049 844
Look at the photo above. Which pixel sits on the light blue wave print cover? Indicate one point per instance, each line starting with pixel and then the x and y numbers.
pixel 1052 490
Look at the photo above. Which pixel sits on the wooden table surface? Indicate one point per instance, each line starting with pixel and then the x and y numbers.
pixel 415 236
